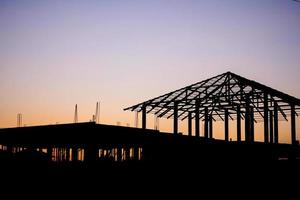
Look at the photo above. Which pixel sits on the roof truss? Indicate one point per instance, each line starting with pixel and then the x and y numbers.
pixel 226 91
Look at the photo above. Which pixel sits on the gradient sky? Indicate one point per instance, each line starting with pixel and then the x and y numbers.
pixel 54 54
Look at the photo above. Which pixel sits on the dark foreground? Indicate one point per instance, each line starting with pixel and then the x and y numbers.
pixel 182 163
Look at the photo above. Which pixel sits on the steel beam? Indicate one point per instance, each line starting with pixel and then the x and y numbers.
pixel 175 130
pixel 119 154
pixel 266 118
pixel 275 124
pixel 293 124
pixel 226 125
pixel 252 124
pixel 197 119
pixel 210 126
pixel 206 122
pixel 238 124
pixel 144 117
pixel 271 127
pixel 247 120
pixel 190 124
pixel 50 152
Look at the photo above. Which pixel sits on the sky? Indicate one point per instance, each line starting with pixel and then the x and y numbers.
pixel 55 54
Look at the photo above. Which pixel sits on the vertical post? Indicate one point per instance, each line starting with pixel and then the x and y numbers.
pixel 175 129
pixel 275 124
pixel 251 124
pixel 190 124
pixel 9 148
pixel 293 124
pixel 206 122
pixel 74 154
pixel 197 119
pixel 119 154
pixel 136 153
pixel 210 126
pixel 136 119
pixel 271 127
pixel 68 154
pixel 144 117
pixel 226 125
pixel 49 153
pixel 247 119
pixel 266 118
pixel 127 153
pixel 238 123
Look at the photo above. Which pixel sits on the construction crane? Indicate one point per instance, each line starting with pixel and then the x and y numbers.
pixel 19 120
pixel 96 117
pixel 76 115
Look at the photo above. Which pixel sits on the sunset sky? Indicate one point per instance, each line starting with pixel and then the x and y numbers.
pixel 55 54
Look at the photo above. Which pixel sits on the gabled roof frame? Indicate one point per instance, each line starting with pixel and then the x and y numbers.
pixel 226 91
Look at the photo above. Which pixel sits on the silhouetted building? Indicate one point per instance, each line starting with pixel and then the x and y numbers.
pixel 224 97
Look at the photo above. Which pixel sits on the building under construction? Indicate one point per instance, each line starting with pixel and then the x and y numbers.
pixel 222 98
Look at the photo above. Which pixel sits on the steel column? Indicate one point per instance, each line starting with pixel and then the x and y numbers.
pixel 226 125
pixel 247 120
pixel 197 119
pixel 271 127
pixel 74 154
pixel 144 117
pixel 175 130
pixel 190 124
pixel 251 124
pixel 210 126
pixel 293 124
pixel 266 119
pixel 275 124
pixel 206 122
pixel 238 124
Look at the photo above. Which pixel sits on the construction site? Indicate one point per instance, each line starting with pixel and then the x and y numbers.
pixel 221 98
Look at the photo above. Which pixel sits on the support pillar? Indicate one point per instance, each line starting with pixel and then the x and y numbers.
pixel 206 122
pixel 197 119
pixel 127 153
pixel 74 154
pixel 275 124
pixel 119 154
pixel 190 124
pixel 136 153
pixel 293 124
pixel 247 120
pixel 68 154
pixel 210 126
pixel 266 118
pixel 9 148
pixel 271 127
pixel 251 124
pixel 175 129
pixel 226 125
pixel 49 153
pixel 144 117
pixel 238 124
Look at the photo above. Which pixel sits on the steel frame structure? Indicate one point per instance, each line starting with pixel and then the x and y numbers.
pixel 225 96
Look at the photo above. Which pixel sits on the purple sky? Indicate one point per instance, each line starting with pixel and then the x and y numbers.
pixel 54 54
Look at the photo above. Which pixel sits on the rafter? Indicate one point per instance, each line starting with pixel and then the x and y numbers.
pixel 225 91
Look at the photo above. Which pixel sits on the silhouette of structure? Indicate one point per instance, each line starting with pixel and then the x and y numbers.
pixel 97 113
pixel 224 97
pixel 76 115
pixel 19 120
